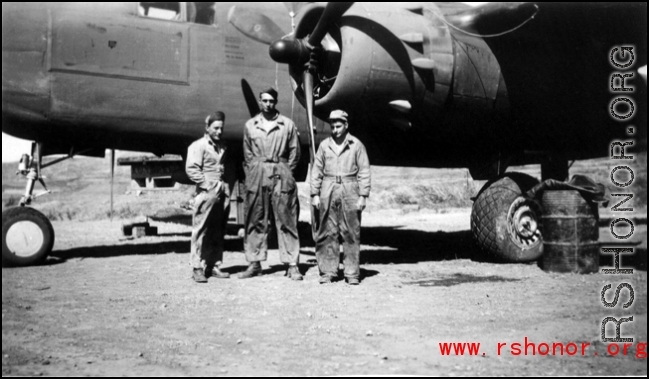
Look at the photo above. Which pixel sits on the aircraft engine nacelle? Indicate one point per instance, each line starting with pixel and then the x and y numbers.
pixel 373 54
pixel 406 63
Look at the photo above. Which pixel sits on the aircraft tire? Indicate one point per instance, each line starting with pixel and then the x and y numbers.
pixel 27 237
pixel 494 215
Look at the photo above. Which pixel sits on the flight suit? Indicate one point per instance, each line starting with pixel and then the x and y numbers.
pixel 340 178
pixel 271 152
pixel 206 161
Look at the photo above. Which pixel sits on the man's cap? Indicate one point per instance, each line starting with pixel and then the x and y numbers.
pixel 216 116
pixel 271 91
pixel 338 114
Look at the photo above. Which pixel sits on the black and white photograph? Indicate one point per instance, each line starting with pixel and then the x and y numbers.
pixel 324 189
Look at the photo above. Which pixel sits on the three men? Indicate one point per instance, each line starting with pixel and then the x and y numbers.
pixel 206 161
pixel 271 152
pixel 340 185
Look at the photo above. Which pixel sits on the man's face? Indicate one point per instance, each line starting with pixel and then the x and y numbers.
pixel 267 103
pixel 214 130
pixel 338 128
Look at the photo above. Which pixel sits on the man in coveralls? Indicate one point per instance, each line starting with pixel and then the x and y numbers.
pixel 206 163
pixel 271 152
pixel 340 185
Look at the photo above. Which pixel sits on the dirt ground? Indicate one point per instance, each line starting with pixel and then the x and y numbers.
pixel 104 305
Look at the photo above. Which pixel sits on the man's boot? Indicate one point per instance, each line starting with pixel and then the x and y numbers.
pixel 294 273
pixel 215 272
pixel 353 281
pixel 199 275
pixel 326 279
pixel 254 269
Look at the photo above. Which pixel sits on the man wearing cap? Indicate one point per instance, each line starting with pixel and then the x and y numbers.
pixel 206 166
pixel 271 152
pixel 340 185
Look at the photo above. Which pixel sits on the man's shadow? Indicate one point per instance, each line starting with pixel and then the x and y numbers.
pixel 392 244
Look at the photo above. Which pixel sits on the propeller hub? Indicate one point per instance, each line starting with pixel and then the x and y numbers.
pixel 289 51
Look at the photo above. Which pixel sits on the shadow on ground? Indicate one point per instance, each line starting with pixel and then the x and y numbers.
pixel 387 245
pixel 394 245
pixel 304 268
pixel 159 248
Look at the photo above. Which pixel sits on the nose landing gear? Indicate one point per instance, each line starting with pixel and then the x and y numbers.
pixel 27 235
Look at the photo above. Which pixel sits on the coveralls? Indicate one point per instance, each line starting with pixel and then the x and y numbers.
pixel 206 161
pixel 271 152
pixel 340 178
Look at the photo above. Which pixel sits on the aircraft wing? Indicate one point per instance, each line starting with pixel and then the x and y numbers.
pixel 557 64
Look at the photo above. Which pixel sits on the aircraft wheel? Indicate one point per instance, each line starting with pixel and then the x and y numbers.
pixel 27 237
pixel 504 224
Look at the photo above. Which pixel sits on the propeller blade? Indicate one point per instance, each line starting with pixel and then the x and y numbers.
pixel 494 18
pixel 112 181
pixel 307 79
pixel 249 97
pixel 332 14
pixel 255 25
pixel 294 7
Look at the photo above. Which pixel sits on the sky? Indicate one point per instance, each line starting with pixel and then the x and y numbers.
pixel 13 148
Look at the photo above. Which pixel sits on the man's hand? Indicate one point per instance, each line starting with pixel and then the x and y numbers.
pixel 315 201
pixel 362 203
pixel 218 188
pixel 226 189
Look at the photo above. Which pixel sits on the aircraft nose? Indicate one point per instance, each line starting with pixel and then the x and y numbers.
pixel 25 80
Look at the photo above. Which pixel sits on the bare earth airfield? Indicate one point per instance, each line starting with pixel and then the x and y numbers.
pixel 104 304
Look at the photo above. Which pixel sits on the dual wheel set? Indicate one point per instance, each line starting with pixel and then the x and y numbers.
pixel 503 224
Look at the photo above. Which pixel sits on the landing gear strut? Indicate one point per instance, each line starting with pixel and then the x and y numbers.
pixel 30 168
pixel 27 235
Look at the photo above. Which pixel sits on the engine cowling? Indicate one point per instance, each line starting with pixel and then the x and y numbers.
pixel 383 52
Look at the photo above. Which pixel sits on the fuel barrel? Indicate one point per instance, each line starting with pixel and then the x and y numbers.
pixel 570 233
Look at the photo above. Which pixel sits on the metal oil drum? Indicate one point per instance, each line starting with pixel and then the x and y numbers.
pixel 570 233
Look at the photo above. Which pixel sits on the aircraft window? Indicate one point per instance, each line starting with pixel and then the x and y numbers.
pixel 202 13
pixel 162 11
pixel 194 12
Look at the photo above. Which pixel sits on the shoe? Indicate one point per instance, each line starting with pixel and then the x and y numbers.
pixel 293 273
pixel 199 276
pixel 215 272
pixel 254 269
pixel 326 279
pixel 353 281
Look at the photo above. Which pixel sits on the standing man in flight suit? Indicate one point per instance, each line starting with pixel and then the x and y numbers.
pixel 271 152
pixel 206 166
pixel 340 185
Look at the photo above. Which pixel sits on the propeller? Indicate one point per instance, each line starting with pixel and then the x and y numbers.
pixel 307 79
pixel 249 96
pixel 304 54
pixel 294 8
pixel 332 14
pixel 255 25
pixel 492 19
pixel 289 50
pixel 298 52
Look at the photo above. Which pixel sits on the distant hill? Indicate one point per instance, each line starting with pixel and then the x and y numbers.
pixel 81 188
